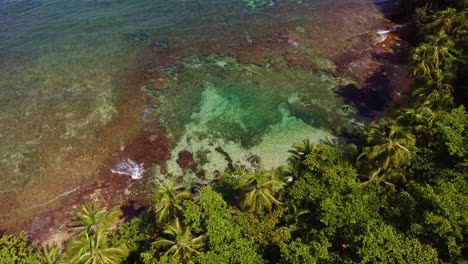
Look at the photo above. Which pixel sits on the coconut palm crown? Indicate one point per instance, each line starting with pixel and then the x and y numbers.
pixel 259 190
pixel 168 202
pixel 389 145
pixel 181 243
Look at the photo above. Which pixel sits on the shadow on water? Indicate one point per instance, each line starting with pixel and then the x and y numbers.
pixel 392 9
pixel 366 99
pixel 390 81
pixel 387 85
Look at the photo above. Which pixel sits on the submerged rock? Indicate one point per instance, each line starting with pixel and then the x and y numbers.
pixel 137 38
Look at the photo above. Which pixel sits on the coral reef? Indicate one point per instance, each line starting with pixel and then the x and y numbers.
pixel 214 102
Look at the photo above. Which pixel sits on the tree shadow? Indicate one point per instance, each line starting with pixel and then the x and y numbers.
pixel 132 209
pixel 391 9
pixel 389 82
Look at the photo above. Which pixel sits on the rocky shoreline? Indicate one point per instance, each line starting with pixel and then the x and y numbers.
pixel 381 70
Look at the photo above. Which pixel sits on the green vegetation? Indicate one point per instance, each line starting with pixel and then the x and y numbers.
pixel 168 202
pixel 16 250
pixel 182 246
pixel 396 193
pixel 90 244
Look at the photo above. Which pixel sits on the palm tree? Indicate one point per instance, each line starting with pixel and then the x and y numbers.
pixel 295 161
pixel 294 213
pixel 49 255
pixel 168 202
pixel 95 249
pixel 93 218
pixel 91 245
pixel 259 189
pixel 450 22
pixel 437 98
pixel 181 243
pixel 385 178
pixel 440 80
pixel 300 151
pixel 437 53
pixel 289 172
pixel 420 120
pixel 422 65
pixel 389 145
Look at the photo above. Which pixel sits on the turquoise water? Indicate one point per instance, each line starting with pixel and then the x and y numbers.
pixel 251 76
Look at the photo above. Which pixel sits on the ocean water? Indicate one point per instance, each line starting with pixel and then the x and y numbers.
pixel 249 76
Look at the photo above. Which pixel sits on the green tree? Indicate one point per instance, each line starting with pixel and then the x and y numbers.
pixel 435 55
pixel 440 216
pixel 420 121
pixel 300 152
pixel 383 244
pixel 299 252
pixel 168 202
pixel 16 249
pixel 91 244
pixel 434 97
pixel 259 190
pixel 296 160
pixel 389 148
pixel 210 215
pixel 265 230
pixel 94 248
pixel 449 21
pixel 453 133
pixel 294 214
pixel 49 254
pixel 328 171
pixel 137 234
pixel 93 218
pixel 181 244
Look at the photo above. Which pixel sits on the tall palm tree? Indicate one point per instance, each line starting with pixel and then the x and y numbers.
pixel 437 98
pixel 300 151
pixel 419 120
pixel 168 202
pixel 449 21
pixel 259 190
pixel 91 245
pixel 181 243
pixel 95 249
pixel 440 80
pixel 437 53
pixel 296 160
pixel 49 254
pixel 93 218
pixel 385 178
pixel 389 145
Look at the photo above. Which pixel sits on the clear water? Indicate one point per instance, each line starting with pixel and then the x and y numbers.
pixel 69 68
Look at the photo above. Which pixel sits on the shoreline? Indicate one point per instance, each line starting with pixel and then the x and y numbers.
pixel 110 189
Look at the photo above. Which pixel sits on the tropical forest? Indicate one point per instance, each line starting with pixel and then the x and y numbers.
pixel 391 190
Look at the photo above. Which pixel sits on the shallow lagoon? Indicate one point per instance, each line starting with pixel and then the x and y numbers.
pixel 251 77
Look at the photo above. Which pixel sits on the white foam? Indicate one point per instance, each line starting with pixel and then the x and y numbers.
pixel 130 168
pixel 381 32
pixel 382 37
pixel 384 33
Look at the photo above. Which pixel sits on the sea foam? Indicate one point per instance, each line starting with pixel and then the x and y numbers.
pixel 130 168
